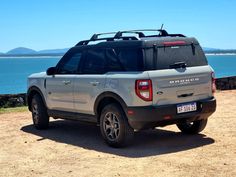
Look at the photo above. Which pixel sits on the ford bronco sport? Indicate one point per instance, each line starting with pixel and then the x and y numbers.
pixel 130 81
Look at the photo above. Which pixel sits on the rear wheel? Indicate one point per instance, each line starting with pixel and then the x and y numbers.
pixel 114 126
pixel 39 113
pixel 192 127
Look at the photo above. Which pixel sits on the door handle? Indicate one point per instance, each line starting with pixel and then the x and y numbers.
pixel 66 82
pixel 94 83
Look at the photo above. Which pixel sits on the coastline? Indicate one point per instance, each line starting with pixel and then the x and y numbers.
pixel 46 56
pixel 61 55
pixel 219 54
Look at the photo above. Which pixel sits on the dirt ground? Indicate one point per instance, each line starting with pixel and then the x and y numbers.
pixel 71 149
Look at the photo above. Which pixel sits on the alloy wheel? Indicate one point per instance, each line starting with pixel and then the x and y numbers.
pixel 111 126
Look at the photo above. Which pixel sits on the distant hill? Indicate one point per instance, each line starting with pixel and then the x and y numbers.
pixel 53 51
pixel 209 49
pixel 218 51
pixel 21 51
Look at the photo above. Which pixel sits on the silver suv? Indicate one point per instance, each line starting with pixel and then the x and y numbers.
pixel 130 81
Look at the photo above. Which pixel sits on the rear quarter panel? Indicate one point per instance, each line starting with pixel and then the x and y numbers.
pixel 123 84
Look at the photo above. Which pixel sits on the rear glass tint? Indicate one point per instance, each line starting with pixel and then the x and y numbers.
pixel 125 60
pixel 131 59
pixel 95 62
pixel 192 55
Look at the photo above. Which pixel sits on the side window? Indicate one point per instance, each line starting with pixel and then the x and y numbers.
pixel 113 63
pixel 94 62
pixel 70 66
pixel 130 59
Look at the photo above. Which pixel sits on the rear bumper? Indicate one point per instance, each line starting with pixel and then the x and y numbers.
pixel 153 116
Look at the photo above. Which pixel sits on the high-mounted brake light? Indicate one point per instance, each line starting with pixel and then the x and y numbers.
pixel 213 83
pixel 143 89
pixel 174 43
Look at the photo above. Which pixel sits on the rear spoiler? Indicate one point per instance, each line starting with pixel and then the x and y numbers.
pixel 176 41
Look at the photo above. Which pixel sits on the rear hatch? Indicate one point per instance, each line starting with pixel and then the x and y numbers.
pixel 180 72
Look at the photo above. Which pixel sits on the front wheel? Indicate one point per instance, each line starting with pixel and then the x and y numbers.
pixel 39 113
pixel 114 126
pixel 192 127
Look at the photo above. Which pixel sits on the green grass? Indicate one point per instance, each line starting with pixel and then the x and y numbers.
pixel 16 109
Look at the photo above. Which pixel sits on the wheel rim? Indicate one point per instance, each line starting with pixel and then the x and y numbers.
pixel 111 126
pixel 35 113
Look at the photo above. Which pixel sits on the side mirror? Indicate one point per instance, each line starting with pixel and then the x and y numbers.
pixel 51 71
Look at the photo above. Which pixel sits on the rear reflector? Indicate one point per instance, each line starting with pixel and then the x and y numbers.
pixel 174 43
pixel 167 117
pixel 130 112
pixel 143 89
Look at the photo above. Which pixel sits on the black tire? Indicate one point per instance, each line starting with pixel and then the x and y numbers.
pixel 193 127
pixel 39 113
pixel 114 126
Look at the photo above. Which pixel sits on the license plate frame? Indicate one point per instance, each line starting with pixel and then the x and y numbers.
pixel 186 107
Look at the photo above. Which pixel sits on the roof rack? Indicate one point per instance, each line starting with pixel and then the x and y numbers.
pixel 119 35
pixel 95 38
pixel 162 33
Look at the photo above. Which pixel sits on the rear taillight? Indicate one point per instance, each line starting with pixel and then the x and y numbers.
pixel 213 83
pixel 143 89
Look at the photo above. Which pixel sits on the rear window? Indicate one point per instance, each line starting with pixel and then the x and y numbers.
pixel 192 55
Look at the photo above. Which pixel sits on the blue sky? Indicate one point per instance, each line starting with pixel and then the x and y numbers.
pixel 50 24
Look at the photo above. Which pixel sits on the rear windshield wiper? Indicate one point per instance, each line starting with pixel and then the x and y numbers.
pixel 178 65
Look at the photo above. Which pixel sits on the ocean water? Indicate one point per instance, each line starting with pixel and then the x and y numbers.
pixel 223 65
pixel 14 71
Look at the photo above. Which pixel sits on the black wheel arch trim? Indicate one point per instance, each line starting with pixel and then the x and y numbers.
pixel 109 94
pixel 34 89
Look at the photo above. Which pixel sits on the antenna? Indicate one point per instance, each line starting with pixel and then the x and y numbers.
pixel 162 26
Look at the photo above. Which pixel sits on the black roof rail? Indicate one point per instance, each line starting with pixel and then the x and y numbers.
pixel 94 38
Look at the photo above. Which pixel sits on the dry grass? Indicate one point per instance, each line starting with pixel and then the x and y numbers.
pixel 16 109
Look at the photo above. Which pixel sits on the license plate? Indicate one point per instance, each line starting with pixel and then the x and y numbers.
pixel 188 107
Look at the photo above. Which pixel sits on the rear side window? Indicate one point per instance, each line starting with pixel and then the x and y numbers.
pixel 113 62
pixel 192 55
pixel 94 62
pixel 125 59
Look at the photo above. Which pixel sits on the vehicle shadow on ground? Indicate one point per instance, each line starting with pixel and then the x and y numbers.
pixel 146 143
